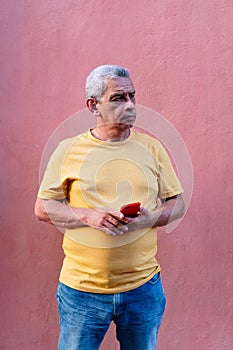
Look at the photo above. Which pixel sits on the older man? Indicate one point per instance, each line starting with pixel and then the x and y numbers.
pixel 110 272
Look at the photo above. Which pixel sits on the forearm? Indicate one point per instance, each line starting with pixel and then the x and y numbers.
pixel 63 216
pixel 171 210
pixel 60 214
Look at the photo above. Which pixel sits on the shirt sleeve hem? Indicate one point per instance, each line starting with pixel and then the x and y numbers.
pixel 171 193
pixel 50 196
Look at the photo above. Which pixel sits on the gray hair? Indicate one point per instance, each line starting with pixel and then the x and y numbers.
pixel 95 83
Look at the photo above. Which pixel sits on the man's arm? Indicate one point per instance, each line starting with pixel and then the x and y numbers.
pixel 63 216
pixel 59 214
pixel 171 209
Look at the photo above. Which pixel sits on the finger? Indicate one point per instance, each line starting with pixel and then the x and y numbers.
pixel 120 230
pixel 142 210
pixel 116 230
pixel 107 231
pixel 119 217
pixel 111 221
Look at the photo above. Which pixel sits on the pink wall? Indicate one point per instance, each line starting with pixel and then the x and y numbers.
pixel 180 57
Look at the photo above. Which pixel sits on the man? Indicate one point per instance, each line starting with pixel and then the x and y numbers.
pixel 110 272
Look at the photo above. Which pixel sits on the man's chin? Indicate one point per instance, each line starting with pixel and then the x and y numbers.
pixel 128 121
pixel 125 125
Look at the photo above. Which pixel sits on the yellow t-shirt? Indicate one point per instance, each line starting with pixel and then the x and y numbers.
pixel 91 173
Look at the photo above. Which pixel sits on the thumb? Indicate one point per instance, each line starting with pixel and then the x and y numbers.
pixel 142 210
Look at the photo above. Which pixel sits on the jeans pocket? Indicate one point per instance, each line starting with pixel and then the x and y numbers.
pixel 155 289
pixel 155 279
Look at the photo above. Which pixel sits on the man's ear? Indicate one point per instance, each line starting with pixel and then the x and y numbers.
pixel 92 106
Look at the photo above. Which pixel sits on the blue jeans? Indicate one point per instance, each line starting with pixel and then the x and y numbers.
pixel 86 317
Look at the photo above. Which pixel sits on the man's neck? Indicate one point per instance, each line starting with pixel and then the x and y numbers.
pixel 111 132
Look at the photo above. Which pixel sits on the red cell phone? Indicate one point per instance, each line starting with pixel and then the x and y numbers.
pixel 131 210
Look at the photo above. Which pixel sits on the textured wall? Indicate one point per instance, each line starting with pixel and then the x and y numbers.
pixel 180 55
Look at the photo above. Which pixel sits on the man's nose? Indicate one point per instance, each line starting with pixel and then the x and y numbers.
pixel 129 103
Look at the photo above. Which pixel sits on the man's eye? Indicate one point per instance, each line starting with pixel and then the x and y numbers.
pixel 119 98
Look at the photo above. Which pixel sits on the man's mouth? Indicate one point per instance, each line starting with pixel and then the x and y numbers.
pixel 128 118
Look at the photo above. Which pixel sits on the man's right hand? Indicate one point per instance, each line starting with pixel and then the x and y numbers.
pixel 63 216
pixel 107 220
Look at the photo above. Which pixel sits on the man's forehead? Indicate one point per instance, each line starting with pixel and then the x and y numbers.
pixel 121 84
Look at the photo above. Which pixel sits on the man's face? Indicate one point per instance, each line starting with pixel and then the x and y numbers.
pixel 117 105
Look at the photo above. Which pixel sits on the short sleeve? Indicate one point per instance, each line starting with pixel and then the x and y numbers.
pixel 55 183
pixel 169 184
